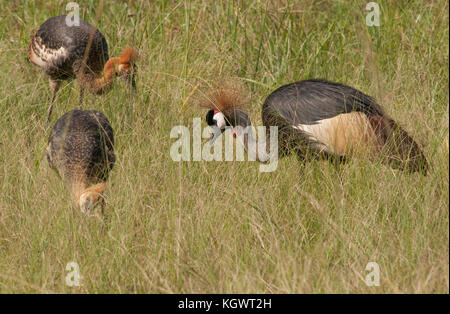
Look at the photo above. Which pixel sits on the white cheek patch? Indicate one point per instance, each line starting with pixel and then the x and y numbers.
pixel 220 120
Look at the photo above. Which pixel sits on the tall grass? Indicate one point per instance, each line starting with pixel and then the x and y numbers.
pixel 224 227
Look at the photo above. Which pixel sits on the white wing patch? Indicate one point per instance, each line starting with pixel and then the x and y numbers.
pixel 43 56
pixel 317 134
pixel 341 134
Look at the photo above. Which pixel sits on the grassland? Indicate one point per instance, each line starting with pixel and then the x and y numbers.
pixel 224 227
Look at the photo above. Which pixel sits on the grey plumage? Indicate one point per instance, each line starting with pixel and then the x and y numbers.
pixel 62 48
pixel 333 117
pixel 309 101
pixel 81 148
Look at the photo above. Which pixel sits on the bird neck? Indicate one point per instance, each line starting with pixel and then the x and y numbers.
pixel 98 188
pixel 253 146
pixel 101 84
pixel 79 187
pixel 260 149
pixel 243 130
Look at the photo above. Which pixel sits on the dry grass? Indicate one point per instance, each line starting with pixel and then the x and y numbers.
pixel 205 227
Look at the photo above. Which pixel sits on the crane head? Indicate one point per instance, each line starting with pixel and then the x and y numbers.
pixel 92 198
pixel 224 105
pixel 126 69
pixel 219 122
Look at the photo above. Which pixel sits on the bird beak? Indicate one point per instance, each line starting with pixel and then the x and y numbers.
pixel 216 132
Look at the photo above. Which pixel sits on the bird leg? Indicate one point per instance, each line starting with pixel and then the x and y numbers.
pixel 54 87
pixel 133 84
pixel 133 76
pixel 81 97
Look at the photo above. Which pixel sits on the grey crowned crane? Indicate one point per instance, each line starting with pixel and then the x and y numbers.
pixel 81 150
pixel 322 117
pixel 67 52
